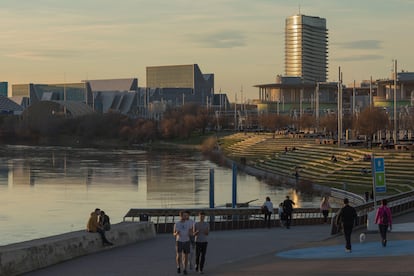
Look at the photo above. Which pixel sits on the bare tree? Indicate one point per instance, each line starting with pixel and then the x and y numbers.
pixel 329 123
pixel 370 120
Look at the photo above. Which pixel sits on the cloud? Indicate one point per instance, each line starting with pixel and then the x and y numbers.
pixel 361 44
pixel 360 58
pixel 223 39
pixel 42 54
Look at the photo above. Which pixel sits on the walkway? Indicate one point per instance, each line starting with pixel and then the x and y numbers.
pixel 260 252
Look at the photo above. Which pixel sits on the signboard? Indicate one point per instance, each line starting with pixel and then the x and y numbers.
pixel 379 175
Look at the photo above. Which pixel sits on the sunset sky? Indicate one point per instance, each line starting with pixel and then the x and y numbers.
pixel 240 41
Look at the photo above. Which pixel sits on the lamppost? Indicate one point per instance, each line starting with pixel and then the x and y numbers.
pixel 395 102
pixel 339 106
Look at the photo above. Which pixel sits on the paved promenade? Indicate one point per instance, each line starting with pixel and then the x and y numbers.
pixel 301 250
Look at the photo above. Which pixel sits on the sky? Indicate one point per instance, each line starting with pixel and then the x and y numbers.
pixel 240 41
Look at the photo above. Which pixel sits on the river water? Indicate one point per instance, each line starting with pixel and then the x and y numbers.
pixel 52 190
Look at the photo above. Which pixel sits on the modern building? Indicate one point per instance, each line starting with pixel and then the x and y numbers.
pixel 167 86
pixel 53 92
pixel 113 85
pixel 9 107
pixel 293 96
pixel 115 95
pixel 180 83
pixel 306 48
pixel 4 88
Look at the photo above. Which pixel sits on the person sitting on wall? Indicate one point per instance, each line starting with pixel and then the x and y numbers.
pixel 93 226
pixel 104 221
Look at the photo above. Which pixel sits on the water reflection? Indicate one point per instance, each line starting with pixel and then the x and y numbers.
pixel 51 190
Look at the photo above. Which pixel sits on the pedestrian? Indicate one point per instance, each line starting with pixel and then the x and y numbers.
pixel 347 218
pixel 201 231
pixel 182 231
pixel 93 226
pixel 281 214
pixel 267 208
pixel 325 206
pixel 384 220
pixel 287 210
pixel 191 254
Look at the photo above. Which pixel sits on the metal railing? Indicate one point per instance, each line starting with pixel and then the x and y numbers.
pixel 222 218
pixel 252 217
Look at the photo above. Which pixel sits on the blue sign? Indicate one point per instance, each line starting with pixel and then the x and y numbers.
pixel 379 164
pixel 379 175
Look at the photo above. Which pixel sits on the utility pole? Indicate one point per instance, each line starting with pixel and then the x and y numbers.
pixel 235 112
pixel 317 103
pixel 339 106
pixel 370 92
pixel 395 101
pixel 353 99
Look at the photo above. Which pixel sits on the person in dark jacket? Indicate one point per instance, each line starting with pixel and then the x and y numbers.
pixel 104 221
pixel 347 218
pixel 93 226
pixel 287 210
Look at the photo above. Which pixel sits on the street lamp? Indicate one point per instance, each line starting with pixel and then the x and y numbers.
pixel 395 102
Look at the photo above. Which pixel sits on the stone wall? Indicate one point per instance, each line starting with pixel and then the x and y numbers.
pixel 31 255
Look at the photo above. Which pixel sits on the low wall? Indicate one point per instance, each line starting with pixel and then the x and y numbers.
pixel 31 255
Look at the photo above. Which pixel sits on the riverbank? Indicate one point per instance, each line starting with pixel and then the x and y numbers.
pixel 194 142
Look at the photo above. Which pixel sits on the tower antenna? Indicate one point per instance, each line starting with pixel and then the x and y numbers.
pixel 299 8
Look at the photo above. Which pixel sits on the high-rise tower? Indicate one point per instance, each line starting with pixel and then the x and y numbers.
pixel 306 48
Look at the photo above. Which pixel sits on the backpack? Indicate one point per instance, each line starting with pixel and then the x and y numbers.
pixel 384 217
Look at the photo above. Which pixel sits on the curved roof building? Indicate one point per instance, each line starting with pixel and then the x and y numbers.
pixel 306 48
pixel 8 106
pixel 48 109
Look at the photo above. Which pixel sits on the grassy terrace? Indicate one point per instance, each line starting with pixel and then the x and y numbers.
pixel 313 162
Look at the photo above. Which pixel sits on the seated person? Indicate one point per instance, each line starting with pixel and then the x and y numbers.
pixel 93 226
pixel 104 221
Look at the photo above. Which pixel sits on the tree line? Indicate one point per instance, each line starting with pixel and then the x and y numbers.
pixel 179 122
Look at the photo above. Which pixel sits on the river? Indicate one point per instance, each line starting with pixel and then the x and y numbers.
pixel 51 190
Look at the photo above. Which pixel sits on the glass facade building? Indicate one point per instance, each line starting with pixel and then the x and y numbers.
pixel 3 88
pixel 173 80
pixel 54 92
pixel 306 48
pixel 177 76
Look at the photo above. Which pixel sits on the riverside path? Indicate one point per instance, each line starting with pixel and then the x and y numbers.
pixel 301 250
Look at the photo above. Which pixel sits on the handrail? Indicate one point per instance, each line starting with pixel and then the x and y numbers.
pixel 354 199
pixel 251 217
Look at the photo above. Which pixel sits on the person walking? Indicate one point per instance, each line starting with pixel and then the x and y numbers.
pixel 182 232
pixel 347 218
pixel 383 218
pixel 281 215
pixel 325 206
pixel 201 231
pixel 267 208
pixel 287 211
pixel 191 254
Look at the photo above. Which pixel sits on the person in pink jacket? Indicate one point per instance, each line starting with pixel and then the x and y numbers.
pixel 384 219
